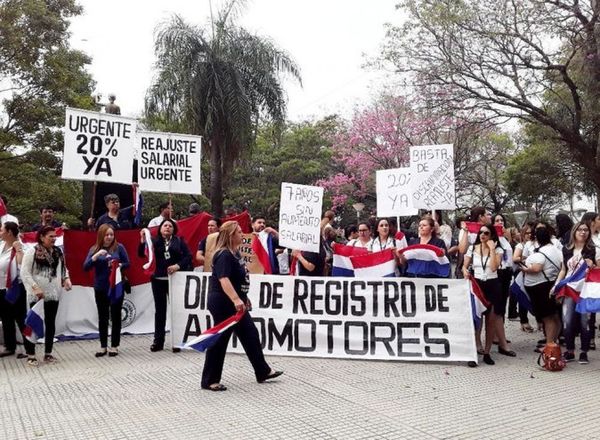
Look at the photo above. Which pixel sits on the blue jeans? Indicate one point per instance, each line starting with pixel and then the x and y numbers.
pixel 573 322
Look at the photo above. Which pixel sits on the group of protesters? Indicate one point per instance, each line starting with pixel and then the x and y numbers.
pixel 483 246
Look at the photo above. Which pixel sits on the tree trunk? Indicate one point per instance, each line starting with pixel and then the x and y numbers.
pixel 216 179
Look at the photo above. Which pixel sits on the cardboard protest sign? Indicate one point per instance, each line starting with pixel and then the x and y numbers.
pixel 394 195
pixel 432 172
pixel 98 146
pixel 248 255
pixel 168 162
pixel 299 216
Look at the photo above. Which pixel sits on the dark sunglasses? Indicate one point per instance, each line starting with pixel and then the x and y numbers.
pixel 484 232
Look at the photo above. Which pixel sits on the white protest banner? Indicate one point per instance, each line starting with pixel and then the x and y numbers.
pixel 410 319
pixel 189 313
pixel 394 193
pixel 168 162
pixel 299 216
pixel 432 172
pixel 98 146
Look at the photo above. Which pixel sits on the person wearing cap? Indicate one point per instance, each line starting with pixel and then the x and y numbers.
pixel 194 209
pixel 115 217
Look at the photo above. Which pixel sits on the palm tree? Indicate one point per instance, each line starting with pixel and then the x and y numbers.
pixel 216 83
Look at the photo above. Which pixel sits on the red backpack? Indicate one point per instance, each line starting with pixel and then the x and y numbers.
pixel 551 358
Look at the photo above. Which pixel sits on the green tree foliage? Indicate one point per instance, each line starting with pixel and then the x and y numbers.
pixel 480 168
pixel 216 82
pixel 537 60
pixel 300 154
pixel 39 76
pixel 537 179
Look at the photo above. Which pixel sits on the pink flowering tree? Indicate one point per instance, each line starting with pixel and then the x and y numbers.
pixel 378 137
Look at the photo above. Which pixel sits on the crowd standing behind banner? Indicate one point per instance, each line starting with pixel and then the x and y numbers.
pixel 493 256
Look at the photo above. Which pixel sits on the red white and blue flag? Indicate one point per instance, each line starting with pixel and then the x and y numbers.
pixel 342 264
pixel 426 260
pixel 264 249
pixel 479 303
pixel 589 300
pixel 518 291
pixel 13 285
pixel 34 322
pixel 374 265
pixel 115 280
pixel 473 231
pixel 29 238
pixel 150 266
pixel 209 337
pixel 138 204
pixel 572 285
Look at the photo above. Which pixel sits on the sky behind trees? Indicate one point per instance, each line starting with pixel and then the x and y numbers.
pixel 328 40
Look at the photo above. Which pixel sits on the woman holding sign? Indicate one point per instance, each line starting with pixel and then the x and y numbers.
pixel 171 254
pixel 100 258
pixel 227 295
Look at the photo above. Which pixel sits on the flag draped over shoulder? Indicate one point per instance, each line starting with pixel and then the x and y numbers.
pixel 209 337
pixel 115 278
pixel 264 249
pixel 518 291
pixel 425 259
pixel 13 285
pixel 342 265
pixel 589 300
pixel 374 265
pixel 479 303
pixel 34 322
pixel 572 285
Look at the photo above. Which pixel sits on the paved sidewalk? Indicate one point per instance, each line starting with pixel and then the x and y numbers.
pixel 143 395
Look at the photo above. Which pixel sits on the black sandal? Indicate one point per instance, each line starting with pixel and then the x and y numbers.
pixel 215 387
pixel 101 353
pixel 507 352
pixel 272 375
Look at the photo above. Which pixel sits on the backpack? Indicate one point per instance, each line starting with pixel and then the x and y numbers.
pixel 551 358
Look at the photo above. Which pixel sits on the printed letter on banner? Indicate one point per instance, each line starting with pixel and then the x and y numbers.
pixel 299 216
pixel 394 193
pixel 98 146
pixel 432 173
pixel 168 162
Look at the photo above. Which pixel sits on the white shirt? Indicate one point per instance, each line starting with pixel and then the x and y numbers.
pixel 4 262
pixel 551 259
pixel 156 221
pixel 8 218
pixel 478 263
pixel 376 245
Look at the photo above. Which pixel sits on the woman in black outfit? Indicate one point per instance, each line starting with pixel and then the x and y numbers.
pixel 171 254
pixel 227 295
